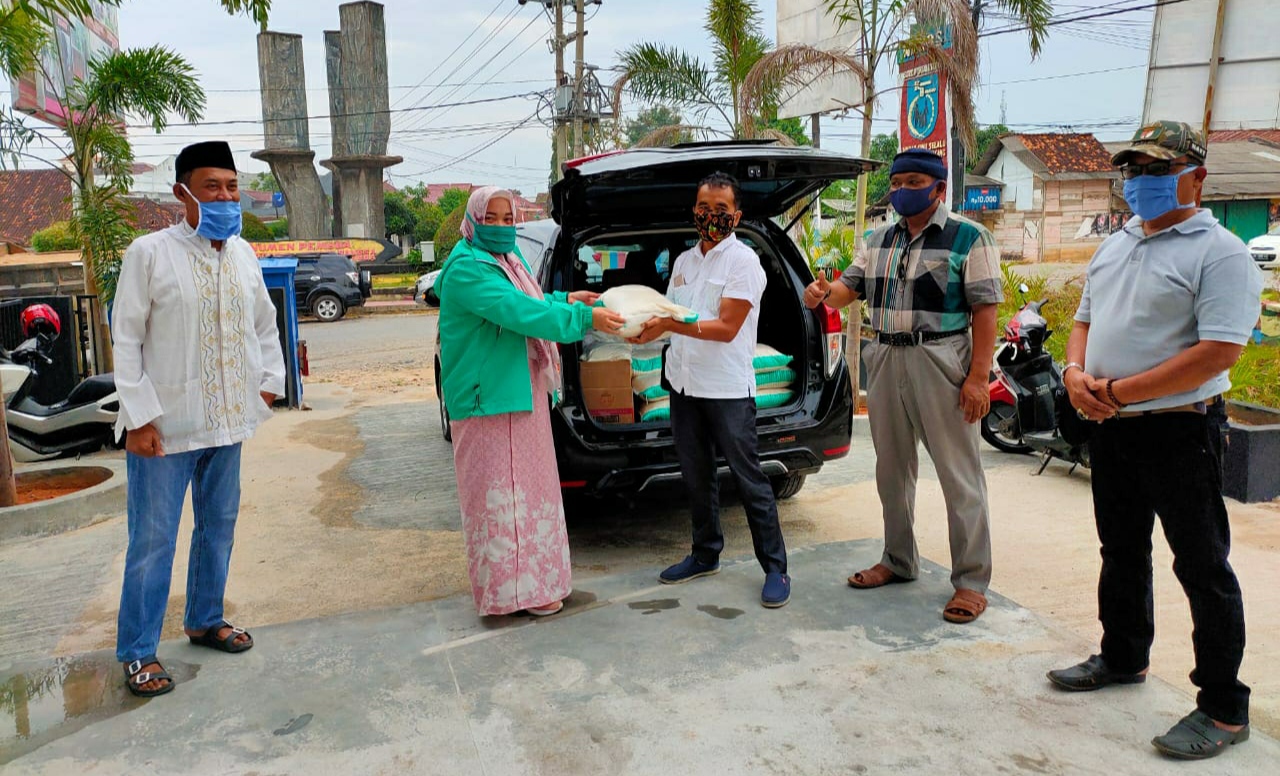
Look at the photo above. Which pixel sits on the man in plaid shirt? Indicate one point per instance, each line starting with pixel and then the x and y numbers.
pixel 932 281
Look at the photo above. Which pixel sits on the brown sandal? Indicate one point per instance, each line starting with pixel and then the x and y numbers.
pixel 965 606
pixel 876 576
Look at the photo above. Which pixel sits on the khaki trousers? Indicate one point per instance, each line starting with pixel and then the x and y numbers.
pixel 913 396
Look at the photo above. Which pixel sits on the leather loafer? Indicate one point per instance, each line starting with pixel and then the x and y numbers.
pixel 1092 674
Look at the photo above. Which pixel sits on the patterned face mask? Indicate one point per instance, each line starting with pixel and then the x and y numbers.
pixel 713 227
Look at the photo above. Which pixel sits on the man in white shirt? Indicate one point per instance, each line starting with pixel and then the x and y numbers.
pixel 713 388
pixel 197 366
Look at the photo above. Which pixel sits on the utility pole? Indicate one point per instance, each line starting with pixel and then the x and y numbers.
pixel 1214 58
pixel 578 104
pixel 562 142
pixel 957 149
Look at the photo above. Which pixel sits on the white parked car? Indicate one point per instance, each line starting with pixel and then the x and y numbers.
pixel 533 237
pixel 1265 249
pixel 424 289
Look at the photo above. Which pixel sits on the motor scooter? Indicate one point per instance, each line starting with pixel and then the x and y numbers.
pixel 83 422
pixel 1030 411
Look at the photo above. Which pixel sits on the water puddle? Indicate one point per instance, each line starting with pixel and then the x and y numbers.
pixel 655 606
pixel 52 701
pixel 723 613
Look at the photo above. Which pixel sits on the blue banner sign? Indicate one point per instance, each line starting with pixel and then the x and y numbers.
pixel 982 198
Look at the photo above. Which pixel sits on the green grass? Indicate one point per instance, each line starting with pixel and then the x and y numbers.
pixel 1256 376
pixel 394 281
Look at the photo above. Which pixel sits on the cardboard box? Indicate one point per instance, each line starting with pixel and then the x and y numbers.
pixel 606 390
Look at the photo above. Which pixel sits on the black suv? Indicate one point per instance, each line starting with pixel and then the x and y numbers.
pixel 327 284
pixel 640 202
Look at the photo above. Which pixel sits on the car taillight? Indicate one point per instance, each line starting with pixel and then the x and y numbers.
pixel 833 328
pixel 355 277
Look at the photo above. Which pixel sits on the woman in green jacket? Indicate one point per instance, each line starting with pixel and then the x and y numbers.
pixel 498 363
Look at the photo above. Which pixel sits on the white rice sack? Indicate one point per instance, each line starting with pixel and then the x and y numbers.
pixel 648 385
pixel 607 351
pixel 638 304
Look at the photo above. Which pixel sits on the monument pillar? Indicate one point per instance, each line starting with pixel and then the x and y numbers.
pixel 356 61
pixel 286 137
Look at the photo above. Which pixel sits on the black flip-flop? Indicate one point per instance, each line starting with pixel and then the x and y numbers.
pixel 1195 737
pixel 135 677
pixel 210 638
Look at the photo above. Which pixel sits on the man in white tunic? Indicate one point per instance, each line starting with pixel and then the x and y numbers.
pixel 197 367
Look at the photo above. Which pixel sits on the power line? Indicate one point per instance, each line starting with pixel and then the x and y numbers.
pixel 455 51
pixel 488 38
pixel 421 120
pixel 322 116
pixel 361 88
pixel 1069 20
pixel 1065 75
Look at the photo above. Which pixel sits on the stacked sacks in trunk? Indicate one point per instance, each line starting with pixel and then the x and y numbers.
pixel 646 382
pixel 774 377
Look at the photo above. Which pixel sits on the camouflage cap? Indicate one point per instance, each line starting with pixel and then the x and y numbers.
pixel 1165 140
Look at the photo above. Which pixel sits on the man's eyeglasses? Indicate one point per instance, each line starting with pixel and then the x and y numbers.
pixel 1159 167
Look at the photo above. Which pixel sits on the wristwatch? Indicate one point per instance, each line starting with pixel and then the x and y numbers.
pixel 1070 366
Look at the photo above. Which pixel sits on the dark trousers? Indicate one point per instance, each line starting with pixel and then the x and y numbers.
pixel 1168 465
pixel 701 428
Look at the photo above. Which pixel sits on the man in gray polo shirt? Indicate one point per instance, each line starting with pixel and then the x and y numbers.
pixel 1168 306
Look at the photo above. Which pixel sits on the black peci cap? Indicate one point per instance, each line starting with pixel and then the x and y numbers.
pixel 213 153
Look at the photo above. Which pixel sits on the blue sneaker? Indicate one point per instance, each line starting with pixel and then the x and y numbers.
pixel 687 569
pixel 776 591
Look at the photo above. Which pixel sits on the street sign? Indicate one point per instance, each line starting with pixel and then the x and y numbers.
pixel 982 198
pixel 277 199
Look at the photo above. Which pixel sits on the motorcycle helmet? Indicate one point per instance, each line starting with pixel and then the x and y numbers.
pixel 40 319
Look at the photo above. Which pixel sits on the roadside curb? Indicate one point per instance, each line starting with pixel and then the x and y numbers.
pixel 82 508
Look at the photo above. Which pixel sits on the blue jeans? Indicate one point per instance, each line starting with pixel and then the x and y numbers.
pixel 157 487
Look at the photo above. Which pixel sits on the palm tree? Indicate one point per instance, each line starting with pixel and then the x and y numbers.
pixel 151 83
pixel 883 27
pixel 664 75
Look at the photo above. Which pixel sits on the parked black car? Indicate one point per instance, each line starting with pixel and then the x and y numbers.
pixel 328 284
pixel 641 201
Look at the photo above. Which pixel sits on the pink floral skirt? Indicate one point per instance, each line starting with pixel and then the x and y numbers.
pixel 512 511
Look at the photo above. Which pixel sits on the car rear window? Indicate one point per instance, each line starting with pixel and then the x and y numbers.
pixel 645 259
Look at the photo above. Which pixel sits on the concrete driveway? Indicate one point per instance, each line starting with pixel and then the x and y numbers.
pixel 349 569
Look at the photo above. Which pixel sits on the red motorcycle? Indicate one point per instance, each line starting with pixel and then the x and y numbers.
pixel 1030 411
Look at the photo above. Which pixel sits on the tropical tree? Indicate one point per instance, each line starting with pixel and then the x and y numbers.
pixel 399 217
pixel 264 181
pixel 661 74
pixel 982 141
pixel 883 149
pixel 652 118
pixel 886 27
pixel 452 199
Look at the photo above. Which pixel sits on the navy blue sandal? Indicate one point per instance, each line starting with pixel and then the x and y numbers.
pixel 210 638
pixel 135 677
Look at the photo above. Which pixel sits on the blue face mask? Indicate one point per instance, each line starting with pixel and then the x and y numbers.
pixel 218 220
pixel 494 238
pixel 1151 196
pixel 911 202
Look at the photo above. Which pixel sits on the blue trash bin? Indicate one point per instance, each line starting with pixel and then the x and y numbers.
pixel 278 274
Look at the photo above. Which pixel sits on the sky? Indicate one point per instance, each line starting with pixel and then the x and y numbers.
pixel 1090 76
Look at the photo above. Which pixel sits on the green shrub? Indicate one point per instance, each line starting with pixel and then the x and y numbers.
pixel 55 237
pixel 414 258
pixel 1256 376
pixel 279 229
pixel 448 234
pixel 1059 308
pixel 254 230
